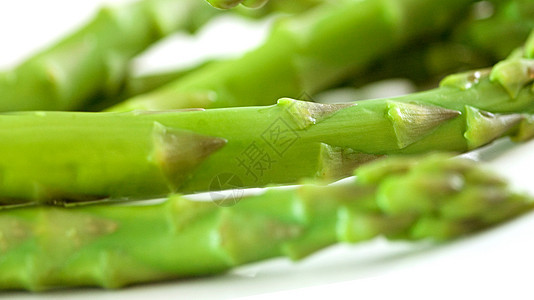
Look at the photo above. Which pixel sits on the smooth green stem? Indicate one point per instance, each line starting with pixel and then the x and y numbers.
pixel 59 156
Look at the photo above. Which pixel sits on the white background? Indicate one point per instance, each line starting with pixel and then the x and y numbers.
pixel 496 264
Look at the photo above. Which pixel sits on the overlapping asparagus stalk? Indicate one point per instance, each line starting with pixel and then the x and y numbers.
pixel 92 62
pixel 54 157
pixel 308 52
pixel 113 246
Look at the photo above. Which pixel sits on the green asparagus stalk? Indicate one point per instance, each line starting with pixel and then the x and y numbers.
pixel 307 53
pixel 92 61
pixel 112 246
pixel 53 157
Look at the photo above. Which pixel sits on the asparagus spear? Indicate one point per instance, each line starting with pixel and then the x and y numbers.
pixel 113 246
pixel 92 61
pixel 306 53
pixel 59 156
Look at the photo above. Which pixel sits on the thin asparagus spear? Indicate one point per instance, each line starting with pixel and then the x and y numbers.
pixel 92 62
pixel 112 246
pixel 53 157
pixel 307 53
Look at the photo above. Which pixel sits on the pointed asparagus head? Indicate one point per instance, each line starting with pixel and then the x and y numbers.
pixel 178 152
pixel 305 113
pixel 516 72
pixel 337 162
pixel 413 122
pixel 446 196
pixel 484 127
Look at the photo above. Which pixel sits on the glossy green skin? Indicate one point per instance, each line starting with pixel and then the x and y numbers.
pixel 113 246
pixel 92 62
pixel 306 53
pixel 58 156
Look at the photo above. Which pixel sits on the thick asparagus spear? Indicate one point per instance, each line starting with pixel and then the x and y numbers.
pixel 307 53
pixel 113 246
pixel 60 156
pixel 92 62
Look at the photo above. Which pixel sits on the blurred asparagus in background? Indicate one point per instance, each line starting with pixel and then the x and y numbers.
pixel 433 198
pixel 137 85
pixel 471 44
pixel 424 62
pixel 308 52
pixel 57 157
pixel 91 62
pixel 512 20
pixel 54 80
